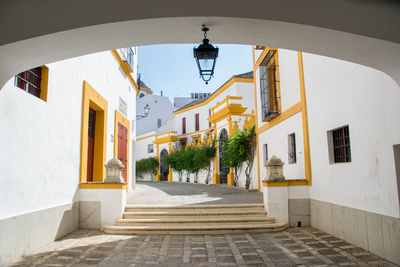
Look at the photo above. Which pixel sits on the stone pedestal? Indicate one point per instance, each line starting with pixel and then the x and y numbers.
pixel 274 169
pixel 114 168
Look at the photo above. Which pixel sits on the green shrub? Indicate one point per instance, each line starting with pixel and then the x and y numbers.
pixel 192 160
pixel 147 166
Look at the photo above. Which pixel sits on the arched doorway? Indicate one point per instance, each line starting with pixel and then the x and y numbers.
pixel 164 167
pixel 223 170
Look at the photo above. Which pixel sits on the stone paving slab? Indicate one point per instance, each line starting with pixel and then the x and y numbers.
pixel 174 193
pixel 294 247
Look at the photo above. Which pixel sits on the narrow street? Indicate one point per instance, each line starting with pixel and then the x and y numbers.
pixel 167 193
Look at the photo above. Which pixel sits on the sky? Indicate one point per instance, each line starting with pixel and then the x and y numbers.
pixel 173 69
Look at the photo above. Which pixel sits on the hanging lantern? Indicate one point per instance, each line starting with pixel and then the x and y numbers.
pixel 206 56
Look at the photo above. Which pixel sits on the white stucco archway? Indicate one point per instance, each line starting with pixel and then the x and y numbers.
pixel 36 33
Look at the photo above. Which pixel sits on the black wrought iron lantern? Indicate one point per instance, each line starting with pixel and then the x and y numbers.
pixel 206 56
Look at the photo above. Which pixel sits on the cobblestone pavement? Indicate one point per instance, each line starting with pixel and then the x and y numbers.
pixel 294 247
pixel 167 193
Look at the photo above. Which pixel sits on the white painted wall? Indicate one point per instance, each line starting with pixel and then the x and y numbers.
pixel 289 78
pixel 340 93
pixel 142 146
pixel 160 108
pixel 277 140
pixel 276 137
pixel 40 141
pixel 111 206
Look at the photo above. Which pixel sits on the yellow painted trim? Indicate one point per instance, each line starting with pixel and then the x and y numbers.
pixel 166 139
pixel 256 108
pixel 296 108
pixel 169 133
pixel 102 186
pixel 158 178
pixel 304 116
pixel 216 179
pixel 232 109
pixel 285 183
pixel 275 60
pixel 217 93
pixel 44 83
pixel 262 56
pixel 125 68
pixel 92 99
pixel 225 101
pixel 170 169
pixel 146 90
pixel 119 118
pixel 141 138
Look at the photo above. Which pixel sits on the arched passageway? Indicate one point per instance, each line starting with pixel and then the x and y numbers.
pixel 363 31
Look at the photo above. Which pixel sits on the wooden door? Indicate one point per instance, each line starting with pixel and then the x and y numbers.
pixel 90 157
pixel 123 148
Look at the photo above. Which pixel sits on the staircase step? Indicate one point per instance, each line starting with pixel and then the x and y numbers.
pixel 196 229
pixel 222 207
pixel 195 221
pixel 185 214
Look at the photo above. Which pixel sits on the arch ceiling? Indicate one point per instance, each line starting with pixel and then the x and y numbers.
pixel 34 33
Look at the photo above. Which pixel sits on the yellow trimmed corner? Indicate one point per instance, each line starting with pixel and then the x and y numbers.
pixel 304 116
pixel 92 99
pixel 216 179
pixel 44 83
pixel 119 118
pixel 169 167
pixel 102 186
pixel 231 177
pixel 256 108
pixel 158 177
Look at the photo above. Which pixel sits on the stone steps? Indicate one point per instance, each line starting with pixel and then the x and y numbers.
pixel 225 207
pixel 194 214
pixel 193 220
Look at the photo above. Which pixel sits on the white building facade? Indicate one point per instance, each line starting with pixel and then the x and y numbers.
pixel 220 114
pixel 60 124
pixel 332 124
pixel 160 110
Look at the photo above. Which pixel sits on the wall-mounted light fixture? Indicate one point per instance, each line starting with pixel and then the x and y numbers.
pixel 146 111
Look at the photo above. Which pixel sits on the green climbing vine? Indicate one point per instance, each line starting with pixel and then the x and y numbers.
pixel 240 148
